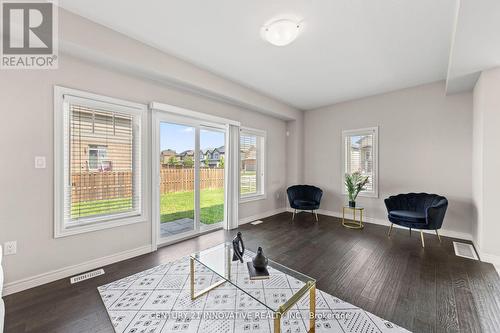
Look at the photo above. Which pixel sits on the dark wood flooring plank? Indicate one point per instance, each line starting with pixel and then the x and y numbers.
pixel 447 317
pixel 468 315
pixel 423 290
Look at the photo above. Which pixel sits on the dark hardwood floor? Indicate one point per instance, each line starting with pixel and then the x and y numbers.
pixel 423 290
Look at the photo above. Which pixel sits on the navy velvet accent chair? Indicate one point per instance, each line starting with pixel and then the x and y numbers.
pixel 421 211
pixel 304 197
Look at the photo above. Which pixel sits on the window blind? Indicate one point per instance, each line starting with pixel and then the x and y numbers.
pixel 359 154
pixel 248 164
pixel 102 165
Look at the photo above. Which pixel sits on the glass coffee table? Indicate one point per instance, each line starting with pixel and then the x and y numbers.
pixel 218 259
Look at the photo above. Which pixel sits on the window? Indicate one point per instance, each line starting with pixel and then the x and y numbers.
pixel 99 169
pixel 360 155
pixel 97 158
pixel 252 143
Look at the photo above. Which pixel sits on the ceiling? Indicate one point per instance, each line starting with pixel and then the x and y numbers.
pixel 348 48
pixel 476 43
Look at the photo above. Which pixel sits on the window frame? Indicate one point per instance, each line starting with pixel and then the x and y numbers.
pixel 61 116
pixel 261 193
pixel 99 149
pixel 356 132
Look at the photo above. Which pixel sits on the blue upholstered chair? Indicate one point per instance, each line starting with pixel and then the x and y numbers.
pixel 304 197
pixel 418 211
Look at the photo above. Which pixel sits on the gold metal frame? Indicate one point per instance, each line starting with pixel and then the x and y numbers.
pixel 309 287
pixel 282 310
pixel 354 224
pixel 204 291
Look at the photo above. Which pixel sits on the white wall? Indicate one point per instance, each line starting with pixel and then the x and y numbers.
pixel 100 60
pixel 486 152
pixel 26 199
pixel 424 146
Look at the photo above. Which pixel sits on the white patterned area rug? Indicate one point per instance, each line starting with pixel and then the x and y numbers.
pixel 158 301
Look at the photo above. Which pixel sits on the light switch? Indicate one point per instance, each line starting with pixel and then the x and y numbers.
pixel 40 162
pixel 10 248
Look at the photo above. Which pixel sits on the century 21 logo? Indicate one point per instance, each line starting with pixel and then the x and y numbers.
pixel 27 28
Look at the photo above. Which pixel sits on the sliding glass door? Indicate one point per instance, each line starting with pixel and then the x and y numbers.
pixel 212 176
pixel 177 179
pixel 190 172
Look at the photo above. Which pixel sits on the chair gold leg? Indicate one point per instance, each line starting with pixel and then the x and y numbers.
pixel 410 232
pixel 422 238
pixel 293 215
pixel 316 214
pixel 439 237
pixel 390 230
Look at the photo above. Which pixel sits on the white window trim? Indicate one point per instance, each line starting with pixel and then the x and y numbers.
pixel 93 224
pixel 362 131
pixel 98 149
pixel 261 164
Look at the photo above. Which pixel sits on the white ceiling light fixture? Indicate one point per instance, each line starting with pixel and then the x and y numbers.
pixel 281 32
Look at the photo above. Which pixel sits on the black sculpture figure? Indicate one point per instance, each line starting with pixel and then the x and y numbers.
pixel 238 248
pixel 260 261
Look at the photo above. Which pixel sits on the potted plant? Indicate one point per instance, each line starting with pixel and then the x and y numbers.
pixel 354 183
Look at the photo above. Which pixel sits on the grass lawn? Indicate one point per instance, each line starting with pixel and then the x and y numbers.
pixel 173 206
pixel 98 207
pixel 178 205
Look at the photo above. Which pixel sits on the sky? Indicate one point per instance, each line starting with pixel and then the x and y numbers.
pixel 181 138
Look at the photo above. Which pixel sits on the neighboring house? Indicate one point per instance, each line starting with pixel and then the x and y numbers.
pixel 211 158
pixel 249 159
pixel 361 159
pixel 165 156
pixel 100 142
pixel 187 153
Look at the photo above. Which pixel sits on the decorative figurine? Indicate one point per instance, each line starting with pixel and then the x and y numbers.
pixel 260 261
pixel 238 248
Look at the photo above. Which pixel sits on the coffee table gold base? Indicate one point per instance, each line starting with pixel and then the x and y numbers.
pixel 309 287
pixel 354 224
pixel 282 310
pixel 204 291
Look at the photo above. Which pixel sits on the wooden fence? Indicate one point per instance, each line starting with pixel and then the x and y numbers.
pixel 91 186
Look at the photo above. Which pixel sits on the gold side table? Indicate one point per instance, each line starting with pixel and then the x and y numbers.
pixel 354 224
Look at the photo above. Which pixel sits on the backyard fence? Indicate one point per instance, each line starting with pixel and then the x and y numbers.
pixel 91 186
pixel 182 179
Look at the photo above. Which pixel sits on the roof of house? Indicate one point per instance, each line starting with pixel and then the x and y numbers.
pixel 186 152
pixel 168 152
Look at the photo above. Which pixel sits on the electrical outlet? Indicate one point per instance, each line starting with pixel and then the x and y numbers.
pixel 40 162
pixel 10 248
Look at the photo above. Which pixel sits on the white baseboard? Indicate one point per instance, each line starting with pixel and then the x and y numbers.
pixel 37 280
pixel 261 215
pixel 487 257
pixel 492 259
pixel 367 219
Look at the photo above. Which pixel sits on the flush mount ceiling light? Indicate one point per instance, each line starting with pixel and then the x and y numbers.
pixel 281 32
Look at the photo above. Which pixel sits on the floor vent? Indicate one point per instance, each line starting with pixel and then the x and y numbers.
pixel 86 276
pixel 465 250
pixel 256 222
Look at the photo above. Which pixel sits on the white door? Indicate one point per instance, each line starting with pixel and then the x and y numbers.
pixel 190 177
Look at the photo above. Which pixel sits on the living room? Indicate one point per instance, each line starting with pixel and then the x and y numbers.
pixel 232 166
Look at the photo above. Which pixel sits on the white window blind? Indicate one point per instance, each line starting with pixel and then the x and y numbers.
pixel 360 155
pixel 251 163
pixel 102 163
